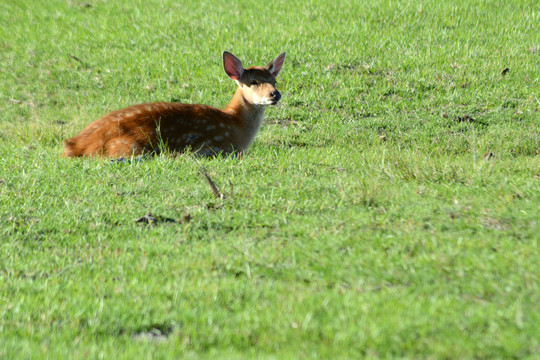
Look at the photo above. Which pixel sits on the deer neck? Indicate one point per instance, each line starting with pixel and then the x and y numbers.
pixel 250 118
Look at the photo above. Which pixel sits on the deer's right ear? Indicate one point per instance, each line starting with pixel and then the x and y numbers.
pixel 232 65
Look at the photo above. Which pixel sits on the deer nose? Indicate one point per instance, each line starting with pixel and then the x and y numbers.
pixel 275 95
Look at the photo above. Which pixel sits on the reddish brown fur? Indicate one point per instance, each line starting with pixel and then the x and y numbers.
pixel 206 130
pixel 141 128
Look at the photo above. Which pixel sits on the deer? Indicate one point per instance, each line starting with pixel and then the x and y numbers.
pixel 204 130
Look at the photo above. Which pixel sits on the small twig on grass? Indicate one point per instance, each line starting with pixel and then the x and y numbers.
pixel 83 63
pixel 27 103
pixel 213 185
pixel 76 58
pixel 152 220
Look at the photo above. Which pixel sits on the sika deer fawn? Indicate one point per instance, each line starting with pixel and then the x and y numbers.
pixel 207 131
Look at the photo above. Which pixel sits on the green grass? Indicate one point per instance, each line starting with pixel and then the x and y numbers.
pixel 365 221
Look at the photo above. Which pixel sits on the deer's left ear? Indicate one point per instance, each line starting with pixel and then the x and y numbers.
pixel 274 66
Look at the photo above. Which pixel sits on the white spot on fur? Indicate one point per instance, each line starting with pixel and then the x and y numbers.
pixel 210 127
pixel 218 138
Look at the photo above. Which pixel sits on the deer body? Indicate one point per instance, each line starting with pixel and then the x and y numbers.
pixel 206 130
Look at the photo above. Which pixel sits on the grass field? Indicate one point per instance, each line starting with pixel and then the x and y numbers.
pixel 388 208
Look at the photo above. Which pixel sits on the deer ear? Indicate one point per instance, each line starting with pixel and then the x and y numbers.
pixel 232 65
pixel 274 66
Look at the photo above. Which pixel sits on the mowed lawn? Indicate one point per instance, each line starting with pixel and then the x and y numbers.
pixel 388 207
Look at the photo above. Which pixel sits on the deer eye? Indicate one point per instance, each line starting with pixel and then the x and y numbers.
pixel 254 83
